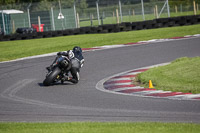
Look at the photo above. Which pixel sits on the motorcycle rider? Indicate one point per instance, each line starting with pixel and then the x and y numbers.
pixel 76 62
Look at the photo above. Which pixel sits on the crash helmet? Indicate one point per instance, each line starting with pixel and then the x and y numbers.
pixel 77 49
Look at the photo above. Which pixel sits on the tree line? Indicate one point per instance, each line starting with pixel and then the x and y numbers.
pixel 3 2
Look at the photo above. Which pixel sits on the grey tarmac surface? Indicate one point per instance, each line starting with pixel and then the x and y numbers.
pixel 23 98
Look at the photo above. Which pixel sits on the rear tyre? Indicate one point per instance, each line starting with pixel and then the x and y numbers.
pixel 51 77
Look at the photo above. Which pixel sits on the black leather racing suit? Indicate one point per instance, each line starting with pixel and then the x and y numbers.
pixel 76 62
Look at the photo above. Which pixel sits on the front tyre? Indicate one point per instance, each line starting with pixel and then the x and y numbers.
pixel 51 77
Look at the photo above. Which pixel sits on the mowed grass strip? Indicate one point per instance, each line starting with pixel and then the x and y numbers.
pixel 22 48
pixel 182 75
pixel 97 127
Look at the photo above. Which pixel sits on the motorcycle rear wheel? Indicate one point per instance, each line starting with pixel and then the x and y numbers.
pixel 51 77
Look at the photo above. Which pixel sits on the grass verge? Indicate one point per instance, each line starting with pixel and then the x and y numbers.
pixel 17 49
pixel 182 75
pixel 96 127
pixel 135 18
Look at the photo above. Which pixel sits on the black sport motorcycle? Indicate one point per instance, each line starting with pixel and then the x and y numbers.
pixel 57 70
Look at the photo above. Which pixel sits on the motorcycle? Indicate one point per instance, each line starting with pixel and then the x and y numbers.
pixel 57 70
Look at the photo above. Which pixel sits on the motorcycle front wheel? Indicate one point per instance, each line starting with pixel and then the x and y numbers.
pixel 51 76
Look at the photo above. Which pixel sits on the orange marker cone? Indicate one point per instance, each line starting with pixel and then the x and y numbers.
pixel 150 84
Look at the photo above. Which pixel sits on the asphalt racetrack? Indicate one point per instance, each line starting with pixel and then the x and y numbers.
pixel 23 98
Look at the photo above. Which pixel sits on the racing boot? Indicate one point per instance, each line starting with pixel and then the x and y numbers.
pixel 49 68
pixel 70 79
pixel 65 78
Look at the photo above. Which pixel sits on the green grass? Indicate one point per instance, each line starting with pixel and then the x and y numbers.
pixel 96 127
pixel 182 75
pixel 22 48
